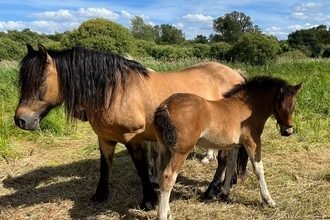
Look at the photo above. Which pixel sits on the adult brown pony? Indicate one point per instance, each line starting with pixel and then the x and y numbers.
pixel 118 96
pixel 184 120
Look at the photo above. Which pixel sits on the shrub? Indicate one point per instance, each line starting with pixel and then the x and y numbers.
pixel 219 50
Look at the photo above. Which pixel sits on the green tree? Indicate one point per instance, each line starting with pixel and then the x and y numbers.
pixel 201 39
pixel 169 34
pixel 101 34
pixel 142 31
pixel 255 48
pixel 306 41
pixel 230 27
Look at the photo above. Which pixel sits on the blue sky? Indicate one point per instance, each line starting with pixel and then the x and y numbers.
pixel 193 17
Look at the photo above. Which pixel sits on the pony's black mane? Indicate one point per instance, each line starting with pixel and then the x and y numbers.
pixel 258 84
pixel 85 76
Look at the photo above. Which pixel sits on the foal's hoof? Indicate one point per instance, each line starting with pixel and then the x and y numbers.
pixel 270 203
pixel 99 198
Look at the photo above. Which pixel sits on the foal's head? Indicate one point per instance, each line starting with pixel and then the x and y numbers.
pixel 285 104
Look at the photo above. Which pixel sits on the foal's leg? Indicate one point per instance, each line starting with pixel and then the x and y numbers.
pixel 107 150
pixel 170 166
pixel 259 172
pixel 138 156
pixel 209 156
pixel 230 169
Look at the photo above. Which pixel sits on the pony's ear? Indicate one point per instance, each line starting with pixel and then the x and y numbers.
pixel 29 48
pixel 43 52
pixel 298 87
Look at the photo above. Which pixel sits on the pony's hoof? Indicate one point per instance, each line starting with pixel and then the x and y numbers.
pixel 98 198
pixel 211 193
pixel 147 206
pixel 226 198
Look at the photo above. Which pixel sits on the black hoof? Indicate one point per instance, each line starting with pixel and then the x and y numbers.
pixel 147 206
pixel 155 185
pixel 99 198
pixel 211 192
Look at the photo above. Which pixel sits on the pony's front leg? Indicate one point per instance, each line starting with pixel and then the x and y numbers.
pixel 139 159
pixel 171 164
pixel 230 169
pixel 107 150
pixel 259 172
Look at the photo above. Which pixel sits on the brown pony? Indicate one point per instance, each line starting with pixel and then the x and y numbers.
pixel 118 96
pixel 184 120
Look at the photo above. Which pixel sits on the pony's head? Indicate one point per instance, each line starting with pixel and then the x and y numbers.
pixel 285 104
pixel 39 88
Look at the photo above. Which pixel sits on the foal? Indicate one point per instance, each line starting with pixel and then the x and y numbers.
pixel 184 120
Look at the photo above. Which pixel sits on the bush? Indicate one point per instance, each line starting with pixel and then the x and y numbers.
pixel 101 34
pixel 219 50
pixel 201 50
pixel 293 55
pixel 255 49
pixel 170 53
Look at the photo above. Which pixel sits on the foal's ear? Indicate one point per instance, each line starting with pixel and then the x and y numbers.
pixel 29 48
pixel 298 87
pixel 43 52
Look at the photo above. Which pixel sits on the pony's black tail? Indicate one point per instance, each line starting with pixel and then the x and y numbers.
pixel 164 124
pixel 242 159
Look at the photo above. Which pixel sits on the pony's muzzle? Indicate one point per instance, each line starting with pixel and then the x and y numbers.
pixel 26 121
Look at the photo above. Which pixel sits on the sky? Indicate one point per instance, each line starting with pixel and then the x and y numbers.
pixel 193 17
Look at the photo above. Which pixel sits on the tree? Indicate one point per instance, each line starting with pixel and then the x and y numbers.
pixel 169 34
pixel 142 31
pixel 201 39
pixel 231 27
pixel 101 34
pixel 306 41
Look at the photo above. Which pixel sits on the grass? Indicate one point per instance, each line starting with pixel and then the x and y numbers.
pixel 52 172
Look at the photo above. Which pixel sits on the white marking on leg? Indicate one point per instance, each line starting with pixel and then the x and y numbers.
pixel 259 172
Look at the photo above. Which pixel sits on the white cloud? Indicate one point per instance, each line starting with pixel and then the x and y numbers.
pixel 308 6
pixel 197 18
pixel 299 15
pixel 179 26
pixel 126 15
pixel 69 15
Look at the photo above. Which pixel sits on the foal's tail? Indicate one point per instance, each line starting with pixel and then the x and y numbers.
pixel 164 125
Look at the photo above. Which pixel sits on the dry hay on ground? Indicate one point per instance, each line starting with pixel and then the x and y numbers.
pixel 58 178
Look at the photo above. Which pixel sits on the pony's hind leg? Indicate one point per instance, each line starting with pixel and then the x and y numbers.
pixel 230 169
pixel 138 156
pixel 171 164
pixel 209 156
pixel 259 172
pixel 215 186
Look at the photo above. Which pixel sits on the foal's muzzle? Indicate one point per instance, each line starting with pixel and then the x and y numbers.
pixel 286 130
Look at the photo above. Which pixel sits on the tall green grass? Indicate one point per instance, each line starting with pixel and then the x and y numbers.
pixel 311 118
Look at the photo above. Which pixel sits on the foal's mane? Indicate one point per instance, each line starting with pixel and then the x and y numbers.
pixel 86 76
pixel 258 84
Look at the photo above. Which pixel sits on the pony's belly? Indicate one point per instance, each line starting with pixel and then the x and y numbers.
pixel 217 144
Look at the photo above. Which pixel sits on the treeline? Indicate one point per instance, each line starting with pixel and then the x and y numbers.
pixel 235 39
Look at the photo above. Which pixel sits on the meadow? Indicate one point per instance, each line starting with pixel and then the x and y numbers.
pixel 51 173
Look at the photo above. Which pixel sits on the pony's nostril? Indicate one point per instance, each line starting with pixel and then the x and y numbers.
pixel 21 123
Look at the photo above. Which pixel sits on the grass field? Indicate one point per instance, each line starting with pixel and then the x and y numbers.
pixel 51 173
